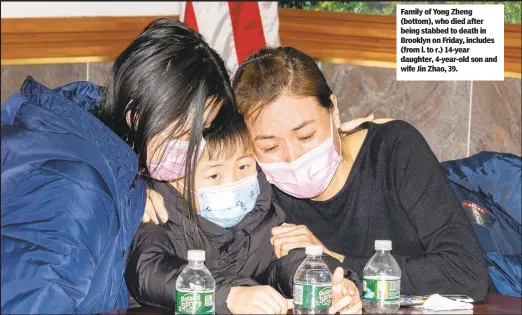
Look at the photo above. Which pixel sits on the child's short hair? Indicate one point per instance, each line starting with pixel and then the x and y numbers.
pixel 227 134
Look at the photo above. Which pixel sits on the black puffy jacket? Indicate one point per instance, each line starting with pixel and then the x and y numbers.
pixel 240 256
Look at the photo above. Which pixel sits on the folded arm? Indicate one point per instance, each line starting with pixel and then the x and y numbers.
pixel 154 267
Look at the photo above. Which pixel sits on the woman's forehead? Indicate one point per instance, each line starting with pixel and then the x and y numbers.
pixel 288 113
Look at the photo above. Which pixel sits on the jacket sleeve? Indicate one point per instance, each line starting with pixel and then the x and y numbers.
pixel 52 238
pixel 154 267
pixel 454 263
pixel 280 272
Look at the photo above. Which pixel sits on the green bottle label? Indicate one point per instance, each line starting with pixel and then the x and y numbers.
pixel 375 289
pixel 191 302
pixel 314 296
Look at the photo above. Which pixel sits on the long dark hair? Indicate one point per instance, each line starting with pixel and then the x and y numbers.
pixel 165 76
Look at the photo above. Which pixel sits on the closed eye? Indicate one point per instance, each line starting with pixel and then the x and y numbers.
pixel 270 149
pixel 306 138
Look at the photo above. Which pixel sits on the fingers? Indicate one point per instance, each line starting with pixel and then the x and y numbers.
pixel 349 287
pixel 294 232
pixel 287 247
pixel 382 120
pixel 257 310
pixel 354 308
pixel 270 304
pixel 340 304
pixel 281 301
pixel 283 249
pixel 337 285
pixel 290 234
pixel 267 304
pixel 149 210
pixel 345 296
pixel 345 291
pixel 290 303
pixel 285 244
pixel 276 230
pixel 145 218
pixel 338 276
pixel 159 206
pixel 288 237
pixel 352 124
pixel 284 231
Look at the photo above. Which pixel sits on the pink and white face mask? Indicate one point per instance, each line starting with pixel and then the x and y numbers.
pixel 309 175
pixel 172 164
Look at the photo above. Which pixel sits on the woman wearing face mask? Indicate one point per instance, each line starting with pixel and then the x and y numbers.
pixel 233 219
pixel 71 200
pixel 348 190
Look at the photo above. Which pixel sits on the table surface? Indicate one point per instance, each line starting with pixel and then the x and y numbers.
pixel 493 304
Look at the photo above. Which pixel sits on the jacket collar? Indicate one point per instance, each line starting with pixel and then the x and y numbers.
pixel 73 102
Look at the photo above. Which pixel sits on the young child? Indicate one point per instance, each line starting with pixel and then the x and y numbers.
pixel 236 214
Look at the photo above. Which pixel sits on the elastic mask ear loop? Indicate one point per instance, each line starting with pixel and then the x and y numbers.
pixel 338 135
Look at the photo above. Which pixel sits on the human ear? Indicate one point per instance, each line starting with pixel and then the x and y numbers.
pixel 335 112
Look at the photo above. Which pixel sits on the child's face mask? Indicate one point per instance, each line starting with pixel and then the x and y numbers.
pixel 226 205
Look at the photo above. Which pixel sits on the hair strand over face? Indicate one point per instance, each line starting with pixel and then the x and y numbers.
pixel 161 81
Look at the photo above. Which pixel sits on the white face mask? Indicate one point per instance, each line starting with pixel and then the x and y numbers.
pixel 226 205
pixel 309 175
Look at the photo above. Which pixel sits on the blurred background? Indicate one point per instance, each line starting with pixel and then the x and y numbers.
pixel 353 43
pixel 511 8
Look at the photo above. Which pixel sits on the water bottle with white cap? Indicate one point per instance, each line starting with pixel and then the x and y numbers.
pixel 312 284
pixel 195 287
pixel 382 281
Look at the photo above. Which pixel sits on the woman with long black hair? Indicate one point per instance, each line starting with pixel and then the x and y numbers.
pixel 71 197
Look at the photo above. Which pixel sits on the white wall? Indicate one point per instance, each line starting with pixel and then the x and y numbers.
pixel 87 8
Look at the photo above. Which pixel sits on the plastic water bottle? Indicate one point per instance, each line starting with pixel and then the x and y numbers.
pixel 382 281
pixel 195 287
pixel 312 284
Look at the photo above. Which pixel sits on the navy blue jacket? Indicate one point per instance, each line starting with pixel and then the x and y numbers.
pixel 488 184
pixel 71 203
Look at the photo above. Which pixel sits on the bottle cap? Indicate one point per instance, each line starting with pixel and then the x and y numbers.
pixel 196 255
pixel 316 250
pixel 383 245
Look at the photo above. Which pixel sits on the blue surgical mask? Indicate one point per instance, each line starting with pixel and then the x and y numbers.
pixel 226 205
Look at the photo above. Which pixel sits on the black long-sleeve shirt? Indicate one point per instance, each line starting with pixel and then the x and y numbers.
pixel 240 256
pixel 397 190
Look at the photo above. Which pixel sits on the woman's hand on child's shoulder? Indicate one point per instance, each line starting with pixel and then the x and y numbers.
pixel 154 208
pixel 261 299
pixel 348 126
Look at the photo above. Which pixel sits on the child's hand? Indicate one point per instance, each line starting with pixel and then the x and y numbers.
pixel 345 295
pixel 257 300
